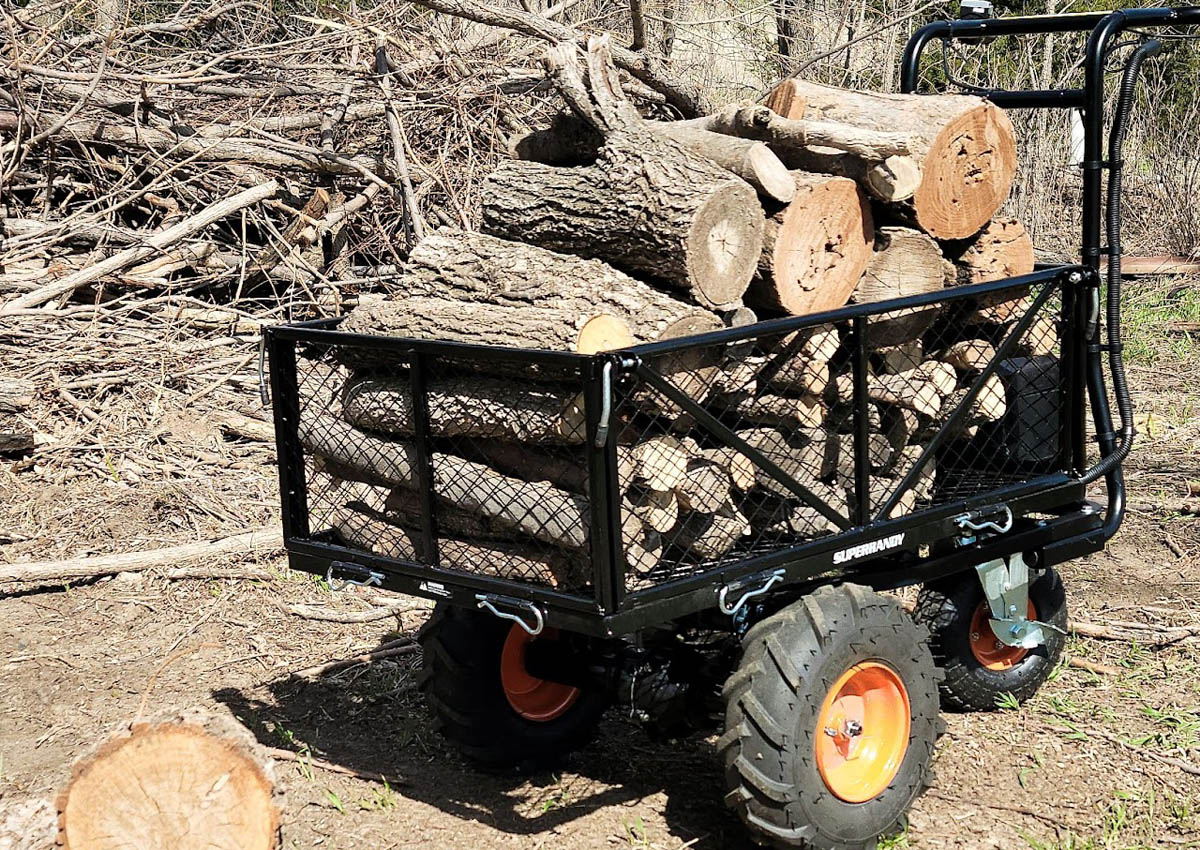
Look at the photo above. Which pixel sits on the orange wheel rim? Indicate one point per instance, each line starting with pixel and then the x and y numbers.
pixel 532 698
pixel 862 732
pixel 987 648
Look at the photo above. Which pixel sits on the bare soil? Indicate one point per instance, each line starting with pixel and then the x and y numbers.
pixel 1087 764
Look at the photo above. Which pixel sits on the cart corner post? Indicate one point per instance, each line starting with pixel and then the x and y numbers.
pixel 285 405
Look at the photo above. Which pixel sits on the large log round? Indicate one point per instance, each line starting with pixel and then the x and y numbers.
pixel 965 146
pixel 906 262
pixel 1002 249
pixel 816 248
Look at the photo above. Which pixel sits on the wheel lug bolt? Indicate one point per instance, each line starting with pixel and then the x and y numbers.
pixel 975 636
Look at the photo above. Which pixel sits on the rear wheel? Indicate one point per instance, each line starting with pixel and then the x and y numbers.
pixel 831 720
pixel 487 703
pixel 979 668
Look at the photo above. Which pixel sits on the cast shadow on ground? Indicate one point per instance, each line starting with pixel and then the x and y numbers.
pixel 374 720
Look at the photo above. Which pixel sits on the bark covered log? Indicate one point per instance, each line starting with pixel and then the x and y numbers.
pixel 502 281
pixel 536 509
pixel 906 262
pixel 1001 250
pixel 965 148
pixel 471 406
pixel 815 249
pixel 15 398
pixel 645 204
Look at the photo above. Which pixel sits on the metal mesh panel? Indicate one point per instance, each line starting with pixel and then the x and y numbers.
pixel 469 463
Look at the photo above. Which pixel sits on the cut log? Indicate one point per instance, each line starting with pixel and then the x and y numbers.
pixel 643 546
pixel 402 506
pixel 899 358
pixel 705 487
pixel 815 249
pixel 645 205
pixel 566 471
pixel 660 463
pixel 905 390
pixel 968 355
pixel 905 263
pixel 785 134
pixel 468 407
pixel 1041 337
pixel 16 395
pixel 740 468
pixel 965 147
pixel 803 463
pixel 989 405
pixel 536 509
pixel 195 781
pixel 570 141
pixel 658 510
pixel 469 286
pixel 708 535
pixel 779 411
pixel 1001 250
pixel 941 375
pixel 363 529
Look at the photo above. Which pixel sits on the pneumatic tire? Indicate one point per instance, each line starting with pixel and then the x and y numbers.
pixel 978 675
pixel 789 707
pixel 498 725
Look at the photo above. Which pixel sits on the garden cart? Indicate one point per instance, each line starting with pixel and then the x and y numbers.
pixel 769 615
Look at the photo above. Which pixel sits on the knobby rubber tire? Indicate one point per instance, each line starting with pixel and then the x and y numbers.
pixel 460 677
pixel 947 607
pixel 790 662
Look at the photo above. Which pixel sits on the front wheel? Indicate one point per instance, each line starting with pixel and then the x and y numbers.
pixel 486 702
pixel 831 720
pixel 980 670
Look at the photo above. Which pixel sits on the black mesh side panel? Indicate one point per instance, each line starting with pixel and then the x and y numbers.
pixel 469 463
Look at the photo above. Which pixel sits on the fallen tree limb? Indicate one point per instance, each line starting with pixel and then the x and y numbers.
pixel 256 542
pixel 157 242
pixel 687 99
pixel 392 649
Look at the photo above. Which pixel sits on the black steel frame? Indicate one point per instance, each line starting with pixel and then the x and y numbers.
pixel 933 545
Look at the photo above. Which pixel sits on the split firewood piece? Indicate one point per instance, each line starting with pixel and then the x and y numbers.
pixel 571 141
pixel 989 405
pixel 194 780
pixel 802 458
pixel 642 545
pixel 1040 339
pixel 905 390
pixel 645 205
pixel 705 487
pixel 770 514
pixel 923 486
pixel 660 462
pixel 16 395
pixel 657 509
pixel 816 248
pixel 906 262
pixel 709 535
pixel 968 355
pixel 899 425
pixel 536 509
pixel 964 145
pixel 468 406
pixel 742 473
pixel 362 529
pixel 880 453
pixel 941 375
pixel 474 288
pixel 881 490
pixel 899 358
pixel 787 412
pixel 806 372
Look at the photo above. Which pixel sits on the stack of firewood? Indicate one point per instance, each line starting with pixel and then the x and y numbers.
pixel 606 230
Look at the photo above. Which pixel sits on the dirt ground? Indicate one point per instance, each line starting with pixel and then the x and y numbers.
pixel 1094 761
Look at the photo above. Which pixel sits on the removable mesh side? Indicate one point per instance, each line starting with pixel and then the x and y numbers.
pixel 693 500
pixel 504 478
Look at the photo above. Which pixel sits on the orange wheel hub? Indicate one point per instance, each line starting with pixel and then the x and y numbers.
pixel 862 732
pixel 987 648
pixel 532 698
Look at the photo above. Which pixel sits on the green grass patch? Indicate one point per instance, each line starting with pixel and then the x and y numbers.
pixel 1149 308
